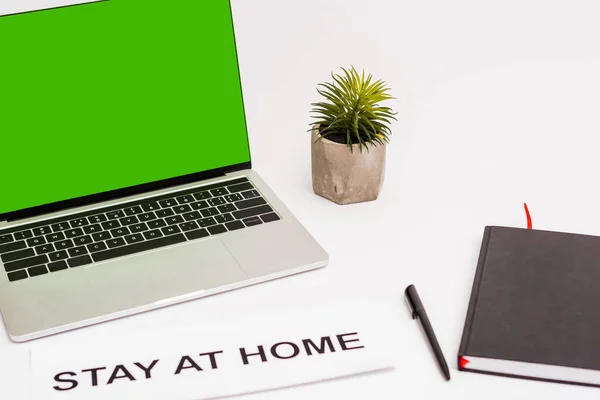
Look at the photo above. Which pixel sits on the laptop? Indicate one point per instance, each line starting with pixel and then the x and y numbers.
pixel 125 172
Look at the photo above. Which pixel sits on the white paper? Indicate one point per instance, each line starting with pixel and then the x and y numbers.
pixel 362 327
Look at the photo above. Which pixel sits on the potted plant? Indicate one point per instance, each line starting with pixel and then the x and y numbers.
pixel 349 137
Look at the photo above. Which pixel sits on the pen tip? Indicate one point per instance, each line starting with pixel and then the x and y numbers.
pixel 446 373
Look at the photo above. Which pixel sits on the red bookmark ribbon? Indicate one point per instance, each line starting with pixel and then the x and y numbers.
pixel 529 224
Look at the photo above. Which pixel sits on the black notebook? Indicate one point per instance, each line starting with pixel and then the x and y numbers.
pixel 534 310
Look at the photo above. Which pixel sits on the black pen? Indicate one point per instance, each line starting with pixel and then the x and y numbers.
pixel 418 311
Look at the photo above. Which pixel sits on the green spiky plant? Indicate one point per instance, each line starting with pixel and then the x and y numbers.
pixel 353 113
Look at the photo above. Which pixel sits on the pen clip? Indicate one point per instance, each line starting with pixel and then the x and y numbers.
pixel 416 306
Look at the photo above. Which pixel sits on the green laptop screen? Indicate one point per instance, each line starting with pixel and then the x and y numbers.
pixel 112 94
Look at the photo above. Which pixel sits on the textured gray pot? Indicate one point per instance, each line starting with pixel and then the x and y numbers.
pixel 343 176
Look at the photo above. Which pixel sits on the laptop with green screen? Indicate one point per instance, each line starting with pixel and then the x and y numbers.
pixel 126 165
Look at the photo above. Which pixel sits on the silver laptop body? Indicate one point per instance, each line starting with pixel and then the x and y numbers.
pixel 100 291
pixel 83 263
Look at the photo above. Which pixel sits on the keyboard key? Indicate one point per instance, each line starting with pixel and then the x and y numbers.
pixel 227 208
pixel 224 218
pixel 120 232
pixel 217 201
pixel 182 209
pixel 199 205
pixel 233 197
pixel 147 217
pixel 167 212
pixel 240 188
pixel 61 226
pixel 139 247
pixel 18 275
pixel 110 225
pixel 133 210
pixel 202 195
pixel 100 236
pixel 8 247
pixel 174 220
pixel 64 244
pixel 167 203
pixel 26 262
pixel 59 255
pixel 269 217
pixel 79 261
pixel 92 229
pixel 78 251
pixel 94 247
pixel 138 228
pixel 250 194
pixel 257 201
pixel 57 266
pixel 197 234
pixel 215 230
pixel 209 212
pixel 219 191
pixel 36 271
pixel 79 222
pixel 16 255
pixel 153 234
pixel 81 240
pixel 55 237
pixel 116 242
pixel 45 248
pixel 192 216
pixel 207 222
pixel 71 233
pixel 150 206
pixel 22 235
pixel 252 221
pixel 115 214
pixel 44 230
pixel 249 212
pixel 158 223
pixel 97 219
pixel 6 238
pixel 170 230
pixel 232 226
pixel 129 221
pixel 188 226
pixel 134 238
pixel 188 198
pixel 36 241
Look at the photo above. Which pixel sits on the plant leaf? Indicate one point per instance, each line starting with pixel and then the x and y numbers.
pixel 352 109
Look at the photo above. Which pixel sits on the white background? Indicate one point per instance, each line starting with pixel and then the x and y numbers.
pixel 498 104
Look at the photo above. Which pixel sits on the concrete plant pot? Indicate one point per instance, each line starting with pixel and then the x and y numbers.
pixel 346 177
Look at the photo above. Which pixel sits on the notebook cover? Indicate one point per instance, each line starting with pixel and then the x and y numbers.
pixel 535 298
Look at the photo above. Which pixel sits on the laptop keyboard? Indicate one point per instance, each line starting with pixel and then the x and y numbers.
pixel 117 231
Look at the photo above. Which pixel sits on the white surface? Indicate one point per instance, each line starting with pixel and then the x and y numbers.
pixel 498 104
pixel 18 6
pixel 361 348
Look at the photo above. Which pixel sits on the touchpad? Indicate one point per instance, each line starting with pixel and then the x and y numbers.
pixel 165 273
